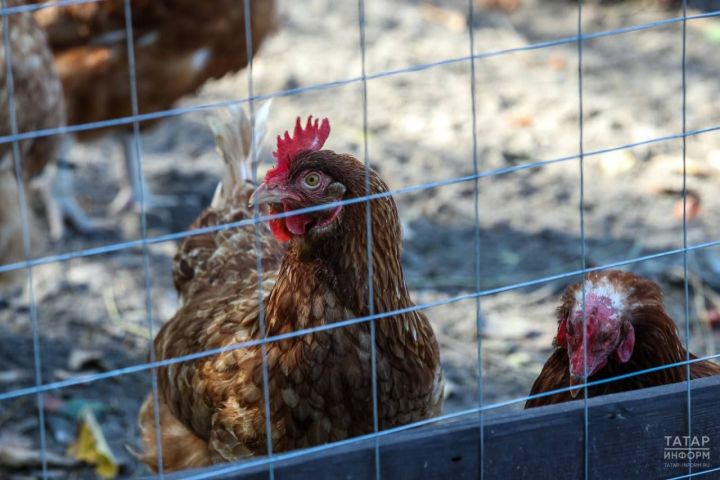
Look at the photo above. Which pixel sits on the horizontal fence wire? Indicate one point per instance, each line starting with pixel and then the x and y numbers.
pixel 700 473
pixel 236 468
pixel 115 247
pixel 138 118
pixel 354 321
pixel 173 112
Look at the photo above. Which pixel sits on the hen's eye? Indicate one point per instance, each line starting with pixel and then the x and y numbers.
pixel 312 180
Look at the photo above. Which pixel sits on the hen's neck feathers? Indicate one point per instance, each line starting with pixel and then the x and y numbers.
pixel 657 343
pixel 332 268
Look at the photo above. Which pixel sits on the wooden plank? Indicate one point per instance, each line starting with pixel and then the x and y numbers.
pixel 627 434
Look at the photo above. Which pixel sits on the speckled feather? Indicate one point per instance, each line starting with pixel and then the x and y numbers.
pixel 320 383
pixel 656 343
pixel 179 45
pixel 217 258
pixel 38 105
pixel 38 94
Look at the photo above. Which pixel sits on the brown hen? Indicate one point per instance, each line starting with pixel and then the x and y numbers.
pixel 212 409
pixel 38 104
pixel 628 330
pixel 178 46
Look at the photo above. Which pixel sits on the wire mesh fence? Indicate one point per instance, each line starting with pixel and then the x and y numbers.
pixel 477 171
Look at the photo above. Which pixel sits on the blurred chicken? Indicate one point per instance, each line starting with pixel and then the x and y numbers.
pixel 628 330
pixel 213 409
pixel 508 6
pixel 38 104
pixel 178 46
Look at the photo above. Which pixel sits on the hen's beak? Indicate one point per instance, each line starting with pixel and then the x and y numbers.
pixel 266 194
pixel 575 380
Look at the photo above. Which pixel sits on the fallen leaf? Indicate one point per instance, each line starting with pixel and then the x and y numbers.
pixel 521 120
pixel 692 207
pixel 90 446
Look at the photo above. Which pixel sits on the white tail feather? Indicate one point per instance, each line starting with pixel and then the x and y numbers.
pixel 238 144
pixel 261 118
pixel 217 198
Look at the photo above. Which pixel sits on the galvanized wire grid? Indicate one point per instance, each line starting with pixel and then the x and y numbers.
pixel 136 118
pixel 27 250
pixel 476 197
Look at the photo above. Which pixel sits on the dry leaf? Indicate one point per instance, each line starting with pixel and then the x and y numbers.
pixel 521 120
pixel 692 207
pixel 90 446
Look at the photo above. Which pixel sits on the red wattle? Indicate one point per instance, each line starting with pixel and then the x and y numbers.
pixel 625 349
pixel 278 228
pixel 296 224
pixel 561 337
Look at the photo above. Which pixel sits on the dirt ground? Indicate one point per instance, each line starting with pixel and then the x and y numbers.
pixel 92 312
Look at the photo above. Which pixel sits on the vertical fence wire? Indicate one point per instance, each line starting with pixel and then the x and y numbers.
pixel 247 12
pixel 479 324
pixel 137 159
pixel 27 248
pixel 686 287
pixel 583 259
pixel 139 180
pixel 369 237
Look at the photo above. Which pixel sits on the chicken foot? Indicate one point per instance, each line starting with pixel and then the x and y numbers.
pixel 132 191
pixel 55 188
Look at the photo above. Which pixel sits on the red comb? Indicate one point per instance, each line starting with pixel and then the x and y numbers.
pixel 311 138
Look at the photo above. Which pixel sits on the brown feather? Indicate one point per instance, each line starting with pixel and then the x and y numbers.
pixel 319 383
pixel 39 105
pixel 179 45
pixel 187 450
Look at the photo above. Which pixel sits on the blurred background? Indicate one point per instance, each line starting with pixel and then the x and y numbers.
pixel 92 312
